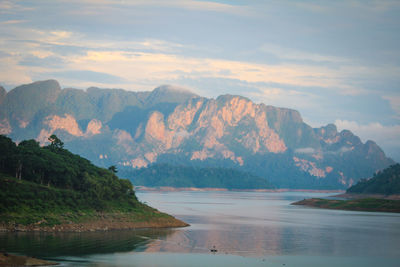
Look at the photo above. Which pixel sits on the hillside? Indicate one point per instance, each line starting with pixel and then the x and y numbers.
pixel 173 126
pixel 55 190
pixel 379 193
pixel 364 204
pixel 385 182
pixel 184 176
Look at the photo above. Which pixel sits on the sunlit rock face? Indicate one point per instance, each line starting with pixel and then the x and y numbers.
pixel 93 128
pixel 175 126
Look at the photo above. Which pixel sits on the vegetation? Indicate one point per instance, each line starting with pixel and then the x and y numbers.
pixel 386 182
pixel 365 204
pixel 185 176
pixel 55 166
pixel 50 185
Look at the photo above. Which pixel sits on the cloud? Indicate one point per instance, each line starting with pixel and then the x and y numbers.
pixel 285 95
pixel 394 104
pixel 38 61
pixel 15 21
pixel 305 150
pixel 340 151
pixel 86 76
pixel 299 55
pixel 11 7
pixel 289 55
pixel 181 4
pixel 161 66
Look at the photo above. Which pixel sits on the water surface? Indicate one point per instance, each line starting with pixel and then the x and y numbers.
pixel 247 228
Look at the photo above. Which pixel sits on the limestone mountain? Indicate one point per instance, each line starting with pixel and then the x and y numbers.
pixel 173 126
pixel 3 93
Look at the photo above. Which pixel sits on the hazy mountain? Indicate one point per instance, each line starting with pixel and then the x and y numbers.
pixel 174 126
pixel 168 94
pixel 3 93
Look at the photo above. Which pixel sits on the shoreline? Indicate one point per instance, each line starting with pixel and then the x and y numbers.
pixel 7 259
pixel 98 222
pixel 361 196
pixel 99 226
pixel 360 204
pixel 140 188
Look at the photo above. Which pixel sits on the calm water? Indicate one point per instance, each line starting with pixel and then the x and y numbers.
pixel 247 228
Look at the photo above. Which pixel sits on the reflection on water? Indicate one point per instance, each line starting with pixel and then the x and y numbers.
pixel 263 226
pixel 258 224
pixel 79 244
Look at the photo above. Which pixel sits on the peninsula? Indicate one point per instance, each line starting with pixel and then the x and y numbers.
pixel 379 193
pixel 50 189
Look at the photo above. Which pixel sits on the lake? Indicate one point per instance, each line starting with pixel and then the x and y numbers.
pixel 246 228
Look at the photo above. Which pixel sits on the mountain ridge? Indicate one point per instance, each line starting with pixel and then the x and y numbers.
pixel 136 129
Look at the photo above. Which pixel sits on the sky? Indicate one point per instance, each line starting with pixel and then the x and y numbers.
pixel 333 61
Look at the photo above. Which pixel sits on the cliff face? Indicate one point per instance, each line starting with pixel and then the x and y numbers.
pixel 3 94
pixel 170 125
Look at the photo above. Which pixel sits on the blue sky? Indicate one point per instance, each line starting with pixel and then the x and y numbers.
pixel 334 61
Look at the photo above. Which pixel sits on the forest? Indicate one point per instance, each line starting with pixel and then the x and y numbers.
pixel 190 176
pixel 386 182
pixel 39 182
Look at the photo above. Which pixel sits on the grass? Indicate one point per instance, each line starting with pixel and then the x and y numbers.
pixel 30 204
pixel 365 204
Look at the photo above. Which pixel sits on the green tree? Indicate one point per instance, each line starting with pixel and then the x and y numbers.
pixel 55 143
pixel 113 168
pixel 8 159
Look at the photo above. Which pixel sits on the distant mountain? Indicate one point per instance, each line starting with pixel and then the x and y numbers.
pixel 386 182
pixel 168 94
pixel 171 125
pixel 3 93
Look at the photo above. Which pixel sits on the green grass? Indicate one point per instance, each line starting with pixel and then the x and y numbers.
pixel 366 204
pixel 26 203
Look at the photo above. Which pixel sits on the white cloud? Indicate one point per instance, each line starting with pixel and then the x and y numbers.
pixel 294 54
pixel 305 150
pixel 289 98
pixel 11 7
pixel 14 21
pixel 158 66
pixel 182 4
pixel 394 103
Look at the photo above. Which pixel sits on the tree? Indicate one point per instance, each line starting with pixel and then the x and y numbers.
pixel 8 159
pixel 113 169
pixel 55 143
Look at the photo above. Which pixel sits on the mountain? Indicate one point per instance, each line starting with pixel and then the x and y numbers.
pixel 173 126
pixel 168 94
pixel 3 93
pixel 385 182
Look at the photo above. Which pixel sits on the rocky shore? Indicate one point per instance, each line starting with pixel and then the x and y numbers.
pixel 104 223
pixel 7 259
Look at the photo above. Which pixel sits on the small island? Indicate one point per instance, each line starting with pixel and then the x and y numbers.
pixel 51 189
pixel 379 193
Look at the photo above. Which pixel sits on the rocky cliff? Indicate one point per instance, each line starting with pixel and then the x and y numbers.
pixel 172 125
